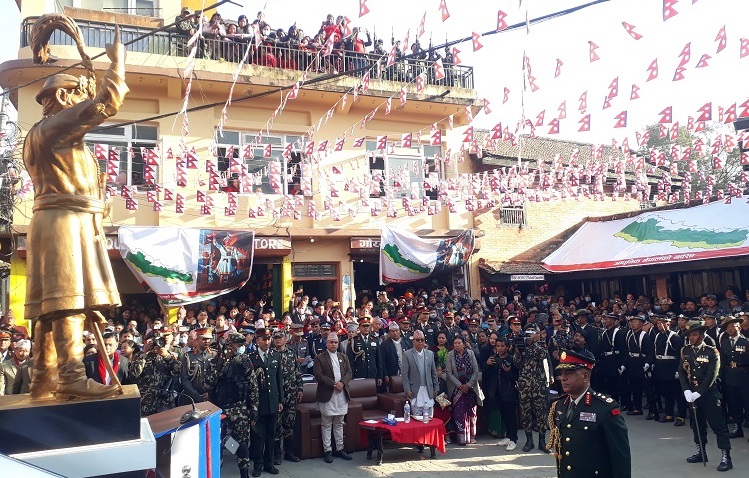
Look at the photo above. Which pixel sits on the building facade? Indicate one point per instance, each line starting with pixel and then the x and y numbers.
pixel 317 217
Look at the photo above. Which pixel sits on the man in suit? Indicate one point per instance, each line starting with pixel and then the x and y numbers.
pixel 589 436
pixel 96 369
pixel 392 350
pixel 419 373
pixel 6 351
pixel 9 368
pixel 267 365
pixel 332 372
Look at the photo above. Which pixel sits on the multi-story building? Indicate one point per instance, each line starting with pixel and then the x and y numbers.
pixel 317 217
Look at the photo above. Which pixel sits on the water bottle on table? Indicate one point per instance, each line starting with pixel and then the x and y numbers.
pixel 407 412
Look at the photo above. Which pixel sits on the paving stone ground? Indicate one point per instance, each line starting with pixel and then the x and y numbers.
pixel 658 450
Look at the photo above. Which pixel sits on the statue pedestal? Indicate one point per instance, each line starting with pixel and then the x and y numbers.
pixel 78 438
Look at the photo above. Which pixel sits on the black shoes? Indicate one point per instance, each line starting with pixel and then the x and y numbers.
pixel 697 457
pixel 725 461
pixel 257 472
pixel 634 412
pixel 528 442
pixel 666 419
pixel 271 469
pixel 679 422
pixel 290 456
pixel 342 455
pixel 542 443
pixel 328 457
pixel 651 416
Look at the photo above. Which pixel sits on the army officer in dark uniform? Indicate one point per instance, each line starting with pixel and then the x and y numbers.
pixel 698 374
pixel 589 437
pixel 734 357
pixel 363 353
pixel 267 365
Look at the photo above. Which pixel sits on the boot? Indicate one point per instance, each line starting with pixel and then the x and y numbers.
pixel 288 451
pixel 68 336
pixel 528 442
pixel 697 457
pixel 278 453
pixel 738 432
pixel 542 442
pixel 725 461
pixel 44 365
pixel 244 473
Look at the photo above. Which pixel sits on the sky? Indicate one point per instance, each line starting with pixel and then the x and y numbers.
pixel 499 63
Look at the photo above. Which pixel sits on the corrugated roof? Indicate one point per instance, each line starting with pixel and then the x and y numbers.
pixel 533 149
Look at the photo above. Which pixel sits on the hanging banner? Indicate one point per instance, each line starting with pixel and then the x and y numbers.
pixel 183 266
pixel 405 257
pixel 707 231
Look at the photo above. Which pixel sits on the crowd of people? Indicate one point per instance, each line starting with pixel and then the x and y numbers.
pixel 333 48
pixel 489 359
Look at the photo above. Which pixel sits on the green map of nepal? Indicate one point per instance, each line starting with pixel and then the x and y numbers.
pixel 651 232
pixel 145 264
pixel 394 254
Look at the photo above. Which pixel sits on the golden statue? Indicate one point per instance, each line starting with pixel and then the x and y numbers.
pixel 70 277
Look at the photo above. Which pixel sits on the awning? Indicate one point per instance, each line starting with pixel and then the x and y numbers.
pixel 707 231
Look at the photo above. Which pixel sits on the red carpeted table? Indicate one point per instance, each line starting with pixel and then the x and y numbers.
pixel 430 434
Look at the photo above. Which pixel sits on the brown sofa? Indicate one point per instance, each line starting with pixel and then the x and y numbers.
pixel 307 426
pixel 395 390
pixel 371 405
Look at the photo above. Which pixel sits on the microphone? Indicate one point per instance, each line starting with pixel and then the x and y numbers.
pixel 193 415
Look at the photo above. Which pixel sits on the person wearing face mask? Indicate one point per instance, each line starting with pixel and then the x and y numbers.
pixel 235 390
pixel 154 371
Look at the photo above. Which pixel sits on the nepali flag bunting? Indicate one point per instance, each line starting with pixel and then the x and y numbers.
pixel 703 61
pixel 558 70
pixel 439 70
pixel 592 52
pixel 666 115
pixel 621 120
pixel 706 112
pixel 501 23
pixel 584 123
pixel 653 70
pixel 631 30
pixel 443 10
pixel 668 9
pixel 363 8
pixel 721 39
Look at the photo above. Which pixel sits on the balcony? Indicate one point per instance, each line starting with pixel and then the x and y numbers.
pixel 171 43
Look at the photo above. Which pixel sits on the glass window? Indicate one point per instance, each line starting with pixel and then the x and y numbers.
pixel 135 137
pixel 257 163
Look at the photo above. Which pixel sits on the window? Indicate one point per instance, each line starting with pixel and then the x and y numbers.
pixel 406 167
pixel 257 163
pixel 513 216
pixel 126 137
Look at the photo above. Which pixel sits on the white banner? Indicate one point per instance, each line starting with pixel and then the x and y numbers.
pixel 184 265
pixel 707 231
pixel 405 257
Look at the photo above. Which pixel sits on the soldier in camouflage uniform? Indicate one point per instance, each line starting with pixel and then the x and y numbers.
pixel 234 389
pixel 292 393
pixel 154 370
pixel 533 386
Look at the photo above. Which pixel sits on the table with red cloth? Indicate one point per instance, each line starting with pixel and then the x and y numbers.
pixel 415 432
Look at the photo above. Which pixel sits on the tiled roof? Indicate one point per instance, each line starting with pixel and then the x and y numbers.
pixel 533 149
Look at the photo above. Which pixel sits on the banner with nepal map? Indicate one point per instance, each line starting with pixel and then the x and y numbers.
pixel 184 265
pixel 708 231
pixel 405 257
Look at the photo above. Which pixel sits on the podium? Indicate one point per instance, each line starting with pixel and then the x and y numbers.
pixel 195 445
pixel 78 439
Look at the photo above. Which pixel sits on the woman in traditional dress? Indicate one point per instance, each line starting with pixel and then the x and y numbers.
pixel 463 388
